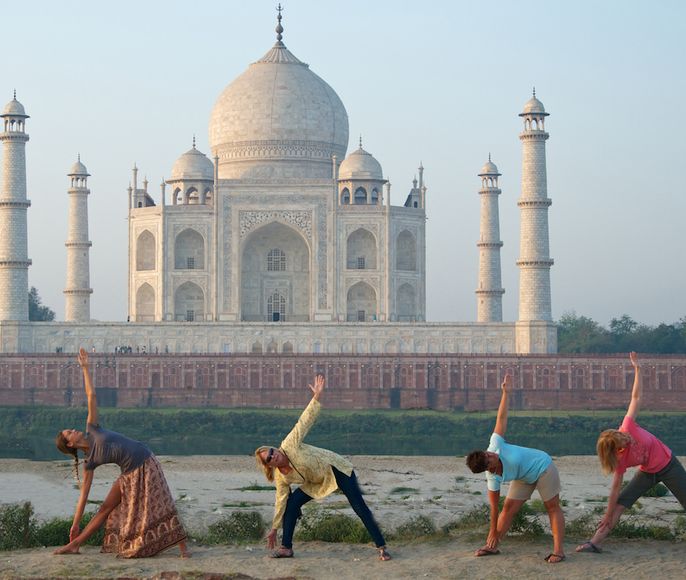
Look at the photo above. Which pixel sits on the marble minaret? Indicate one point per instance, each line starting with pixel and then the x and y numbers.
pixel 534 254
pixel 489 294
pixel 78 292
pixel 14 261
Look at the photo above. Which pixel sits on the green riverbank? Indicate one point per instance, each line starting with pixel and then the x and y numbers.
pixel 29 432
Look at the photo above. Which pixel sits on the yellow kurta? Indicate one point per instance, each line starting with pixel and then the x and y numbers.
pixel 311 466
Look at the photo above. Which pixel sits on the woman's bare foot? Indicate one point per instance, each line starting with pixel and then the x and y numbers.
pixel 68 549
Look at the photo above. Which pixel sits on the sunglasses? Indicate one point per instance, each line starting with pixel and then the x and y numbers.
pixel 270 454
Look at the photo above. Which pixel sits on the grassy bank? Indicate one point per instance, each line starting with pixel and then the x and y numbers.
pixel 29 431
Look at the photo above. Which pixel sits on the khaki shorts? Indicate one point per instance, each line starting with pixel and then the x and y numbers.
pixel 548 486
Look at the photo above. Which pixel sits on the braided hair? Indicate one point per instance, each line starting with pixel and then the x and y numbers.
pixel 61 443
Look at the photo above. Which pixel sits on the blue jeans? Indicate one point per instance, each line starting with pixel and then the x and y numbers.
pixel 350 488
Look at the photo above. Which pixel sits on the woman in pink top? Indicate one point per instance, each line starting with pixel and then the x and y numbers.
pixel 629 446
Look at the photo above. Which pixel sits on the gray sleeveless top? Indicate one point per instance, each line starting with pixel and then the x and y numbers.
pixel 112 447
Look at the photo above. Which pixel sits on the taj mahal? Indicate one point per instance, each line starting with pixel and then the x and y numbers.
pixel 281 239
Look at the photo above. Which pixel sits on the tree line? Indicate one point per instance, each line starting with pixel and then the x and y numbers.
pixel 581 334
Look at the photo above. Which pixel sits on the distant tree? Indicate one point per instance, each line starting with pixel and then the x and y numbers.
pixel 580 334
pixel 623 325
pixel 38 312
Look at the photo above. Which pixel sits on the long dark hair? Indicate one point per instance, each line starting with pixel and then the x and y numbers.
pixel 61 443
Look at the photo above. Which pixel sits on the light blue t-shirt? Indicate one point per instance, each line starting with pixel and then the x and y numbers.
pixel 521 463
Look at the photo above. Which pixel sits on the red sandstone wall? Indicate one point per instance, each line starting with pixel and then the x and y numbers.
pixel 446 382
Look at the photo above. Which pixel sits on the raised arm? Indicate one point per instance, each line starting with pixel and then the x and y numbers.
pixel 90 390
pixel 501 420
pixel 308 417
pixel 637 391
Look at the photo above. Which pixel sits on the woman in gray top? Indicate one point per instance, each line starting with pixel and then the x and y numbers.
pixel 139 513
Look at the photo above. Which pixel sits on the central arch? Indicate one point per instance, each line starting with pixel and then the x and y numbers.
pixel 275 266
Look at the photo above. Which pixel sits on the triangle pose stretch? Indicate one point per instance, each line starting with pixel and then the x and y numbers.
pixel 140 517
pixel 139 513
pixel 628 446
pixel 527 469
pixel 319 472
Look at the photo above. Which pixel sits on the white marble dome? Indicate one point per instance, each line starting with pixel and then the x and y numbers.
pixel 278 119
pixel 489 168
pixel 533 105
pixel 78 169
pixel 14 108
pixel 192 165
pixel 360 165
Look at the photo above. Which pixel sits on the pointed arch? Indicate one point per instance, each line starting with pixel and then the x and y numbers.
pixel 360 196
pixel 145 303
pixel 189 250
pixel 406 252
pixel 406 303
pixel 189 303
pixel 145 251
pixel 361 250
pixel 361 303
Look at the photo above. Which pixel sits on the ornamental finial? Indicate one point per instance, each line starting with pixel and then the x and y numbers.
pixel 193 140
pixel 279 28
pixel 534 92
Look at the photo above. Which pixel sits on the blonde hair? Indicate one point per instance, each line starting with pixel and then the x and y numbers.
pixel 268 471
pixel 609 442
pixel 61 443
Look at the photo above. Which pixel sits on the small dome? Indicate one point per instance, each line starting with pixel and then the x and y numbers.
pixel 14 108
pixel 533 105
pixel 78 168
pixel 489 168
pixel 360 165
pixel 193 165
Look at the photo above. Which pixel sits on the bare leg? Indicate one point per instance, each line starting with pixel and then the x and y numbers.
pixel 510 509
pixel 111 501
pixel 557 526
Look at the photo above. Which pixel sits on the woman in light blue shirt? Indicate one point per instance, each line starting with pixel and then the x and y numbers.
pixel 527 469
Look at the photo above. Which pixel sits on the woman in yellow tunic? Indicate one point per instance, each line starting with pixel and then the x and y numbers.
pixel 319 472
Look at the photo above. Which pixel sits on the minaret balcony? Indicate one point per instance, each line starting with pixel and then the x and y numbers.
pixel 534 263
pixel 542 203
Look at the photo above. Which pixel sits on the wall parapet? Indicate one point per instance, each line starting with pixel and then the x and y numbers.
pixel 469 382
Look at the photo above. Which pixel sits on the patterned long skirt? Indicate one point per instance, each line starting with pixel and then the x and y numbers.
pixel 145 522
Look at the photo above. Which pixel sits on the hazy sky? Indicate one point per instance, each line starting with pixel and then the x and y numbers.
pixel 436 81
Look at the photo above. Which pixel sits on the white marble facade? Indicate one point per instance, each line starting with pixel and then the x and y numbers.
pixel 278 240
pixel 279 226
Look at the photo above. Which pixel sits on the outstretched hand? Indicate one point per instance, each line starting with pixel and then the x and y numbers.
pixel 507 383
pixel 82 358
pixel 318 387
pixel 271 539
pixel 633 357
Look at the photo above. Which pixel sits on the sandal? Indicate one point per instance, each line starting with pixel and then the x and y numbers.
pixel 282 552
pixel 560 558
pixel 486 551
pixel 384 556
pixel 588 547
